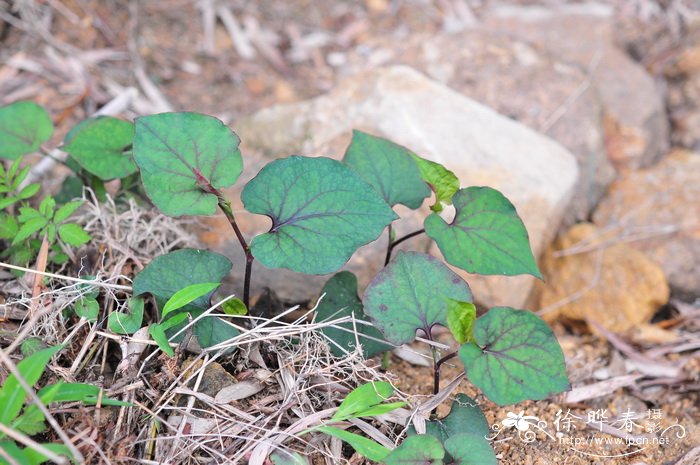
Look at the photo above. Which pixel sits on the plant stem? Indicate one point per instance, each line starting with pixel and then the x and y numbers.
pixel 225 206
pixel 390 249
pixel 438 364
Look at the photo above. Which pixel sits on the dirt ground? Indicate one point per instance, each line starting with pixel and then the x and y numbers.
pixel 167 42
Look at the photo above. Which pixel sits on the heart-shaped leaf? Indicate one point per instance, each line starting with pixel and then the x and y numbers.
pixel 486 236
pixel 421 449
pixel 441 180
pixel 515 357
pixel 460 319
pixel 24 126
pixel 321 212
pixel 169 273
pixel 102 146
pixel 127 323
pixel 411 293
pixel 341 300
pixel 388 167
pixel 212 330
pixel 470 449
pixel 465 417
pixel 183 155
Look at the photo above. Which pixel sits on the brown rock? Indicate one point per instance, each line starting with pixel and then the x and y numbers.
pixel 584 34
pixel 606 281
pixel 658 211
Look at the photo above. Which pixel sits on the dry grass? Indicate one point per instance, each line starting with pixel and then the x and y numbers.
pixel 176 418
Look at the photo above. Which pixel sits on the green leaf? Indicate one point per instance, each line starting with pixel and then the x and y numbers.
pixel 515 357
pixel 486 236
pixel 341 300
pixel 460 319
pixel 321 212
pixel 77 392
pixel 411 293
pixel 88 308
pixel 465 417
pixel 380 409
pixel 470 449
pixel 28 213
pixel 102 146
pixel 29 456
pixel 441 180
pixel 388 168
pixel 212 330
pixel 234 306
pixel 179 153
pixel 287 457
pixel 362 398
pixel 8 226
pixel 24 126
pixel 174 321
pixel 12 450
pixel 21 176
pixel 29 228
pixel 169 273
pixel 158 334
pixel 73 234
pixel 29 191
pixel 12 394
pixel 417 450
pixel 186 295
pixel 37 458
pixel 47 206
pixel 13 169
pixel 7 201
pixel 51 233
pixel 127 323
pixel 363 446
pixel 66 210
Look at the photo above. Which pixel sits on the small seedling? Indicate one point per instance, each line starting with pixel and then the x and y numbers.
pixel 30 419
pixel 322 211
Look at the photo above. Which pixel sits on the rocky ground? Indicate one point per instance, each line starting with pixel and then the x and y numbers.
pixel 586 115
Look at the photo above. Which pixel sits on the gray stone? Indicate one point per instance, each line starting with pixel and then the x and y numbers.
pixel 636 128
pixel 482 147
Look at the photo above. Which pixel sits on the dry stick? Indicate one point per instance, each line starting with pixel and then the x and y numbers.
pixel 32 444
pixel 67 278
pixel 52 421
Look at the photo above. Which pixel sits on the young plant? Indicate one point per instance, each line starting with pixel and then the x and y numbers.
pixel 29 420
pixel 322 211
pixel 365 401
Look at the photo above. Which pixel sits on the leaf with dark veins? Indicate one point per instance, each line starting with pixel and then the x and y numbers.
pixel 388 167
pixel 182 156
pixel 412 293
pixel 486 236
pixel 515 357
pixel 321 211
